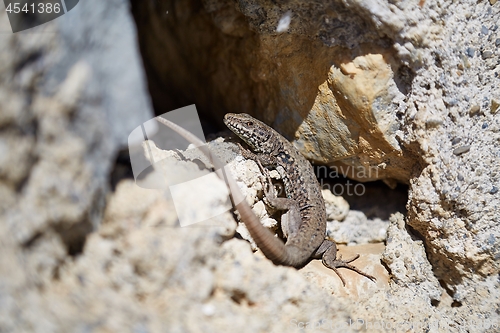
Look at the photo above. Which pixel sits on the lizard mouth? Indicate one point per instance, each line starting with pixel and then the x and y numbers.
pixel 228 118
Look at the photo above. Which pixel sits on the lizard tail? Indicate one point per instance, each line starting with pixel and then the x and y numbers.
pixel 273 248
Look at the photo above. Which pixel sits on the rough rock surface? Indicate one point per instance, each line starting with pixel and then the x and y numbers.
pixel 385 90
pixel 70 91
pixel 381 90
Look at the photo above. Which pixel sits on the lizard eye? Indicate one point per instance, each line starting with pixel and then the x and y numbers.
pixel 249 123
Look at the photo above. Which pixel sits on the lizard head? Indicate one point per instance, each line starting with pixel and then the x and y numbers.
pixel 254 132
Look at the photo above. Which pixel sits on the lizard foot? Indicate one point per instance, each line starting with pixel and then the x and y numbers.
pixel 337 263
pixel 327 251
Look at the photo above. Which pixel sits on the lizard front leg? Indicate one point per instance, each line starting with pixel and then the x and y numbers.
pixel 290 220
pixel 328 253
pixel 264 159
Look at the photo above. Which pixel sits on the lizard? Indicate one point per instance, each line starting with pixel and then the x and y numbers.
pixel 304 223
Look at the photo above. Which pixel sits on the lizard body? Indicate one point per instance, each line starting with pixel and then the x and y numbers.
pixel 304 223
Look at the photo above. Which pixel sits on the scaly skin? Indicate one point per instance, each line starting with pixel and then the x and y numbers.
pixel 304 223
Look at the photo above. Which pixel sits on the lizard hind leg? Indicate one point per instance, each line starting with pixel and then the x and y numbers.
pixel 328 253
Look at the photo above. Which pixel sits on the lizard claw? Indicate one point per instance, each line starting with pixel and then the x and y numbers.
pixel 338 263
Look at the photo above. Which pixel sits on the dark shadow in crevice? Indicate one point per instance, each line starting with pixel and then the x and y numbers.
pixel 31 241
pixel 454 304
pixel 374 199
pixel 403 77
pixel 415 235
pixel 122 169
pixel 74 236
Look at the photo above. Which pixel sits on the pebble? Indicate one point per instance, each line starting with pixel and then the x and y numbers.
pixel 494 190
pixel 487 54
pixel 455 141
pixel 484 30
pixel 491 239
pixel 494 106
pixel 470 52
pixel 485 125
pixel 497 42
pixel 492 2
pixel 474 109
pixel 461 150
pixel 434 122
